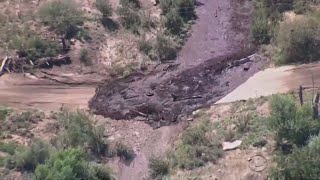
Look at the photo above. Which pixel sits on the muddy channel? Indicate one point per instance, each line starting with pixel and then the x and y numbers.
pixel 216 58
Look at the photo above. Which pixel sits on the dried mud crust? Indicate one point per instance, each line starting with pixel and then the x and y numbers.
pixel 171 92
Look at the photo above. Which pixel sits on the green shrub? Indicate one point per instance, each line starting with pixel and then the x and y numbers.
pixel 84 57
pixel 298 41
pixel 79 132
pixel 260 28
pixel 291 123
pixel 9 148
pixel 4 112
pixel 145 45
pixel 104 7
pixel 70 164
pixel 196 148
pixel 158 167
pixel 34 47
pixel 129 16
pixel 121 150
pixel 185 8
pixel 303 163
pixel 174 22
pixel 165 48
pixel 29 158
pixel 57 15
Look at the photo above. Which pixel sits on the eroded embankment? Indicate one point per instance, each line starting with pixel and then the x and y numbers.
pixel 170 92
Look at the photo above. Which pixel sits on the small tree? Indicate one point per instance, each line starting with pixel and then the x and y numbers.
pixel 298 41
pixel 303 163
pixel 64 16
pixel 291 123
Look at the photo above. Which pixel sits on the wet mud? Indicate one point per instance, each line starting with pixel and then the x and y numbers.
pixel 216 58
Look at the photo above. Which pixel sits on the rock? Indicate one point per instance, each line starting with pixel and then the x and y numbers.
pixel 246 67
pixel 231 145
pixel 190 119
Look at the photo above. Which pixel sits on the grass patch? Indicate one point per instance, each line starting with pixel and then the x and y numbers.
pixel 9 147
pixel 198 146
pixel 159 167
pixel 4 112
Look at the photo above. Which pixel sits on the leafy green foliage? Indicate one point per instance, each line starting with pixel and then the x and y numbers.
pixel 4 112
pixel 79 132
pixel 128 12
pixel 158 167
pixel 28 159
pixel 291 123
pixel 174 22
pixel 33 47
pixel 9 148
pixel 302 163
pixel 185 8
pixel 196 147
pixel 260 27
pixel 298 41
pixel 57 15
pixel 70 164
pixel 177 13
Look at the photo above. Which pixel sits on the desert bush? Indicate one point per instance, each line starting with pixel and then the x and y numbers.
pixel 84 57
pixel 121 150
pixel 260 30
pixel 298 41
pixel 184 7
pixel 33 47
pixel 302 163
pixel 79 132
pixel 165 48
pixel 70 164
pixel 29 158
pixel 159 167
pixel 64 16
pixel 104 7
pixel 173 21
pixel 9 148
pixel 291 123
pixel 196 148
pixel 129 15
pixel 145 45
pixel 4 112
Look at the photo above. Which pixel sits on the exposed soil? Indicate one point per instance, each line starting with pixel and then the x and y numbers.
pixel 276 80
pixel 211 64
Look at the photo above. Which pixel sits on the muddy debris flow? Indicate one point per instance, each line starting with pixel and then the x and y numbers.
pixel 161 103
pixel 216 58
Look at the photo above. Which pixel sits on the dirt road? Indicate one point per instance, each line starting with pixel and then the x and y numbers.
pixel 23 92
pixel 276 80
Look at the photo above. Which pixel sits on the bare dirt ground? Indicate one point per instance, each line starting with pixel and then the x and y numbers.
pixel 276 80
pixel 28 91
